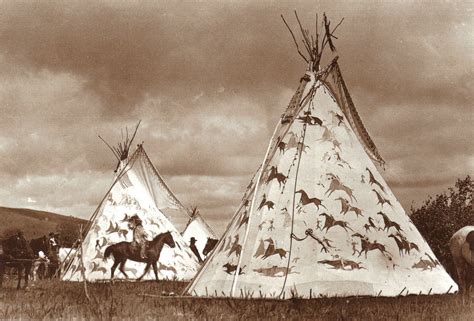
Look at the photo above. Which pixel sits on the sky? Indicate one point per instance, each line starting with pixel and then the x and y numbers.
pixel 209 81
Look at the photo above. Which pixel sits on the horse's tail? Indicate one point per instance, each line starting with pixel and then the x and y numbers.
pixel 109 250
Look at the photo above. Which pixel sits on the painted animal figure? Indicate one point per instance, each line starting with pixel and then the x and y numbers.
pixel 347 207
pixel 305 200
pixel 372 180
pixel 236 247
pixel 336 185
pixel 341 264
pixel 342 161
pixel 380 199
pixel 389 223
pixel 260 250
pixel 275 271
pixel 96 268
pixel 407 244
pixel 245 219
pixel 272 250
pixel 337 118
pixel 336 264
pixel 292 142
pixel 302 147
pixel 18 254
pixel 327 135
pixel 274 174
pixel 366 245
pixel 404 246
pixel 309 119
pixel 426 264
pixel 210 245
pixel 461 245
pixel 265 202
pixel 331 222
pixel 229 268
pixel 281 147
pixel 124 251
pixel 372 224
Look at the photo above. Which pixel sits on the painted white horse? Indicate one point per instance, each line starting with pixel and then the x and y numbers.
pixel 461 245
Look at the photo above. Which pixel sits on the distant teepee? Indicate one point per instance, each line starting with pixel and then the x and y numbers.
pixel 138 189
pixel 319 219
pixel 198 229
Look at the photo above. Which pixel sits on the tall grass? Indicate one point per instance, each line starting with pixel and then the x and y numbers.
pixel 54 300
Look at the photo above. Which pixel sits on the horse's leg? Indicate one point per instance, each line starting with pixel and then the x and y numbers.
pixel 461 271
pixel 155 269
pixel 112 269
pixel 147 268
pixel 2 270
pixel 20 275
pixel 121 268
pixel 27 273
pixel 34 268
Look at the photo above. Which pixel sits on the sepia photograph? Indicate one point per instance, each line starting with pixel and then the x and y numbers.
pixel 237 160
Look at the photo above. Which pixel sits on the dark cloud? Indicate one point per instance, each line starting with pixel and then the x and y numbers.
pixel 209 81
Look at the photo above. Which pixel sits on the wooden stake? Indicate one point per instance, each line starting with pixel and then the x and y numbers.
pixel 86 292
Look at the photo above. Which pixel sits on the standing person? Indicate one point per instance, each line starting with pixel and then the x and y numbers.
pixel 192 246
pixel 53 254
pixel 41 260
pixel 139 234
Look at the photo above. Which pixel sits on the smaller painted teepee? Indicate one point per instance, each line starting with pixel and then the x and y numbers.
pixel 138 189
pixel 198 229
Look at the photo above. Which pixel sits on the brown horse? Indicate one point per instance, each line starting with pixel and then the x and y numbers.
pixel 17 253
pixel 461 245
pixel 124 251
pixel 210 245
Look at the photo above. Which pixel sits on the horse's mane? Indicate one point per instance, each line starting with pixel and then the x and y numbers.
pixel 160 236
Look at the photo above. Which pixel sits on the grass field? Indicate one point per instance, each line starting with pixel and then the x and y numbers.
pixel 65 300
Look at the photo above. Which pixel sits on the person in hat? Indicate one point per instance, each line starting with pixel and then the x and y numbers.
pixel 139 234
pixel 52 240
pixel 194 249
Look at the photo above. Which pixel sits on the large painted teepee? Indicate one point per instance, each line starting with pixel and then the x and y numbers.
pixel 138 189
pixel 318 219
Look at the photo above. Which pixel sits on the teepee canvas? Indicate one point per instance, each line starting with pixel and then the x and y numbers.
pixel 138 189
pixel 319 219
pixel 201 232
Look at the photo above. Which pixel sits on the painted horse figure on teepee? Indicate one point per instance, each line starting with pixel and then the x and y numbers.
pixel 320 203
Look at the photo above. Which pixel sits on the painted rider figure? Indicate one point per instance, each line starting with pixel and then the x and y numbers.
pixel 139 234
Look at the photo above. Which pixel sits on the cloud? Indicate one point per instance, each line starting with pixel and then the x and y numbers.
pixel 30 200
pixel 209 82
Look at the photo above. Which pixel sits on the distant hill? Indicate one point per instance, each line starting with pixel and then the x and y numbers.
pixel 35 223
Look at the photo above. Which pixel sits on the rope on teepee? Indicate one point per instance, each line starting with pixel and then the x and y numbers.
pixel 301 149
